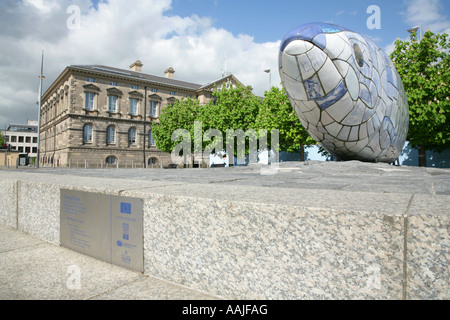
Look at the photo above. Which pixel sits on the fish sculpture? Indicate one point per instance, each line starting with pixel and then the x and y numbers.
pixel 345 91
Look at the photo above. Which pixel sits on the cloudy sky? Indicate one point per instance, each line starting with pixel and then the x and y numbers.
pixel 198 38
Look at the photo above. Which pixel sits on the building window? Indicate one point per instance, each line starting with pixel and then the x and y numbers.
pixel 152 161
pixel 13 139
pixel 133 106
pixel 87 134
pixel 114 84
pixel 34 150
pixel 112 104
pixel 153 108
pixel 172 93
pixel 111 160
pixel 151 141
pixel 89 105
pixel 91 80
pixel 111 135
pixel 27 149
pixel 135 87
pixel 132 136
pixel 21 139
pixel 27 139
pixel 34 139
pixel 154 90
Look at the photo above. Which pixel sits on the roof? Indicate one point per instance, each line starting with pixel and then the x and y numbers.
pixel 212 83
pixel 22 128
pixel 134 75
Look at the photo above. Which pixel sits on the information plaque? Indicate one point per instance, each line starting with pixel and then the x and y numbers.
pixel 106 227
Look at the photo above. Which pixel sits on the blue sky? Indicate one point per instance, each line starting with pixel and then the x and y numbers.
pixel 200 39
pixel 269 20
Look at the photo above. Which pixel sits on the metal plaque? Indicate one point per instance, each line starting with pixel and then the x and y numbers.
pixel 106 227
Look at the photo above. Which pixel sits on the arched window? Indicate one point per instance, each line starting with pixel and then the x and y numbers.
pixel 153 161
pixel 111 160
pixel 87 134
pixel 111 135
pixel 132 136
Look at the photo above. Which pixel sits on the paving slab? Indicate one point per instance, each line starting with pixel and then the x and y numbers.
pixel 31 269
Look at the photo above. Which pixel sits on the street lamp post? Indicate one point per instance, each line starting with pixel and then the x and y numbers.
pixel 41 77
pixel 414 30
pixel 270 77
pixel 145 127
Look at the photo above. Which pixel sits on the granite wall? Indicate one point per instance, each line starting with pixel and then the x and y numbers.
pixel 256 243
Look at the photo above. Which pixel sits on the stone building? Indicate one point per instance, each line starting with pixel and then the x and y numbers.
pixel 96 115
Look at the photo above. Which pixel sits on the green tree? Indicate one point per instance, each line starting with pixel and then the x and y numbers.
pixel 2 139
pixel 232 109
pixel 276 112
pixel 180 115
pixel 424 67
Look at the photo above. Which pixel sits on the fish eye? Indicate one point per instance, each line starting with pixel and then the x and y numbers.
pixel 358 54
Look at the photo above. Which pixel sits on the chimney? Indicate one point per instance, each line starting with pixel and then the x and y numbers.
pixel 136 66
pixel 169 73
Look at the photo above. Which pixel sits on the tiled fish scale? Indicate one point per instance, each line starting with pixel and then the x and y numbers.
pixel 345 91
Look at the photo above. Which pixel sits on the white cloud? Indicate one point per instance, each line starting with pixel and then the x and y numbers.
pixel 46 6
pixel 118 33
pixel 427 14
pixel 423 13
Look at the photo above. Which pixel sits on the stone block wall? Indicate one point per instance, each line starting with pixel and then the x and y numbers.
pixel 231 246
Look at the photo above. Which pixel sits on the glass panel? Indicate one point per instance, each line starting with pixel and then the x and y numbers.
pixel 112 103
pixel 151 141
pixel 133 106
pixel 132 135
pixel 111 135
pixel 89 101
pixel 153 105
pixel 111 160
pixel 87 136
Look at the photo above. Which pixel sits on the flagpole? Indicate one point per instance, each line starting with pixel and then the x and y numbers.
pixel 41 77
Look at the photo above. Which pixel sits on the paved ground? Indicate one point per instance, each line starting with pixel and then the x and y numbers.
pixel 31 269
pixel 343 176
